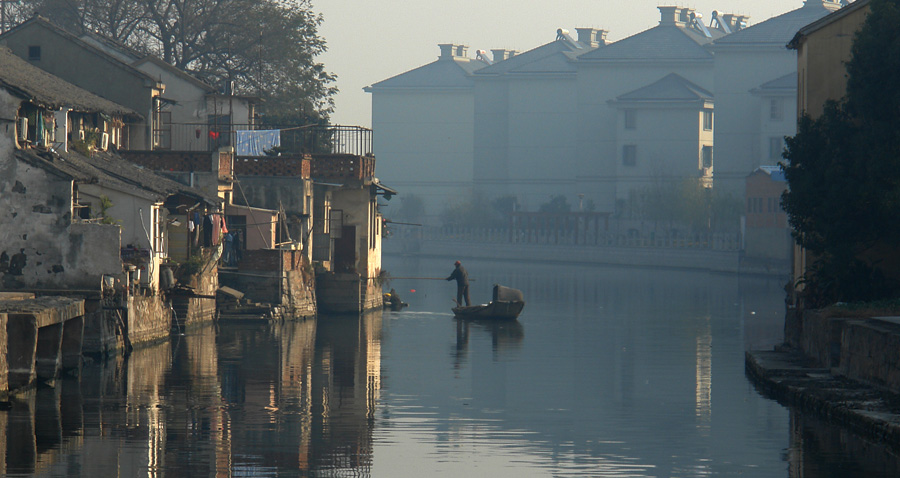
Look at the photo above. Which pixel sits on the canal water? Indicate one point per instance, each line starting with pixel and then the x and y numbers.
pixel 609 372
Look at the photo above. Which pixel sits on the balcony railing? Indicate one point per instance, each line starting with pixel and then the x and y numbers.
pixel 312 139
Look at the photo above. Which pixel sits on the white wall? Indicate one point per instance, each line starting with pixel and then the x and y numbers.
pixel 596 143
pixel 423 142
pixel 669 142
pixel 527 133
pixel 773 128
pixel 738 118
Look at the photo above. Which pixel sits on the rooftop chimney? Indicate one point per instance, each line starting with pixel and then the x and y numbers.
pixel 669 15
pixel 591 37
pixel 450 51
pixel 501 54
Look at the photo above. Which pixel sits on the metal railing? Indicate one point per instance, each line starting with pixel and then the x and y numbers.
pixel 294 139
pixel 711 241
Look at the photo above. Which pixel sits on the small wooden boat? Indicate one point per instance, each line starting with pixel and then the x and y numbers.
pixel 392 303
pixel 507 304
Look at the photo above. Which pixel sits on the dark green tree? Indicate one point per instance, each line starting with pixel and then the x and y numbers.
pixel 843 172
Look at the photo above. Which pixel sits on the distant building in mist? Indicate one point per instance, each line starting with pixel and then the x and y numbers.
pixel 746 61
pixel 664 136
pixel 602 122
pixel 767 237
pixel 424 122
pixel 676 46
pixel 526 120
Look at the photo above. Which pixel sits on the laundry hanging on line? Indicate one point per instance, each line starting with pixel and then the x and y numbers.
pixel 256 142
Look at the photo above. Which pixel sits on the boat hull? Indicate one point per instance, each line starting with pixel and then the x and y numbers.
pixel 498 310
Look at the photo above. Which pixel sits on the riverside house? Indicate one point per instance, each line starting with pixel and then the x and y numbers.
pixel 79 220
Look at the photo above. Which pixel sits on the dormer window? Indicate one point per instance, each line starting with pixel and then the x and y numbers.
pixel 34 52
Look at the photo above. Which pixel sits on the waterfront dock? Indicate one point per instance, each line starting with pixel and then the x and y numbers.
pixel 840 367
pixel 40 338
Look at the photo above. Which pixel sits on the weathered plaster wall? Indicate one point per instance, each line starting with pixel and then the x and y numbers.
pixel 39 246
pixel 359 211
pixel 149 320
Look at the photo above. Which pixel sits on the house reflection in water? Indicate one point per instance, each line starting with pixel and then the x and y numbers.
pixel 247 399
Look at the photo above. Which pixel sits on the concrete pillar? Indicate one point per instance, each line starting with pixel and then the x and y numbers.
pixel 21 449
pixel 47 424
pixel 72 338
pixel 4 365
pixel 71 407
pixel 22 334
pixel 47 356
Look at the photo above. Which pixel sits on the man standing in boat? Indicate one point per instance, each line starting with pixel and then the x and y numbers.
pixel 462 284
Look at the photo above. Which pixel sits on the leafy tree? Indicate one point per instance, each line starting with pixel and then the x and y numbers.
pixel 556 204
pixel 267 47
pixel 843 172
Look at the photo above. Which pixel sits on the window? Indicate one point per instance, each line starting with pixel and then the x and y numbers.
pixel 776 147
pixel 34 52
pixel 776 110
pixel 707 120
pixel 706 156
pixel 630 119
pixel 629 155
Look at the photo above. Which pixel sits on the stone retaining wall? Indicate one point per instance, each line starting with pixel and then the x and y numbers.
pixel 870 351
pixel 867 350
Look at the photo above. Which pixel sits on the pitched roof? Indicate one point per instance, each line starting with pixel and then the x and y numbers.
pixel 774 172
pixel 42 88
pixel 134 58
pixel 662 42
pixel 100 52
pixel 786 83
pixel 826 20
pixel 443 73
pixel 547 58
pixel 111 171
pixel 779 30
pixel 175 71
pixel 672 87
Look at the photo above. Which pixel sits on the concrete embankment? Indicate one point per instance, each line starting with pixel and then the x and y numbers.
pixel 795 380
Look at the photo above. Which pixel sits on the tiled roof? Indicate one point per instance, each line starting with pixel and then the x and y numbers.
pixel 663 42
pixel 109 170
pixel 443 73
pixel 672 87
pixel 47 90
pixel 547 58
pixel 781 29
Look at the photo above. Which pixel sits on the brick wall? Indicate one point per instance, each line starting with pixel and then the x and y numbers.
pixel 170 160
pixel 342 166
pixel 272 260
pixel 281 166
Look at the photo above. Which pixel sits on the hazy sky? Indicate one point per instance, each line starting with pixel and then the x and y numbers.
pixel 369 41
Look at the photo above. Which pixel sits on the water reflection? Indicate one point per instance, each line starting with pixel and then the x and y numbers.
pixel 505 335
pixel 821 450
pixel 243 400
pixel 623 373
